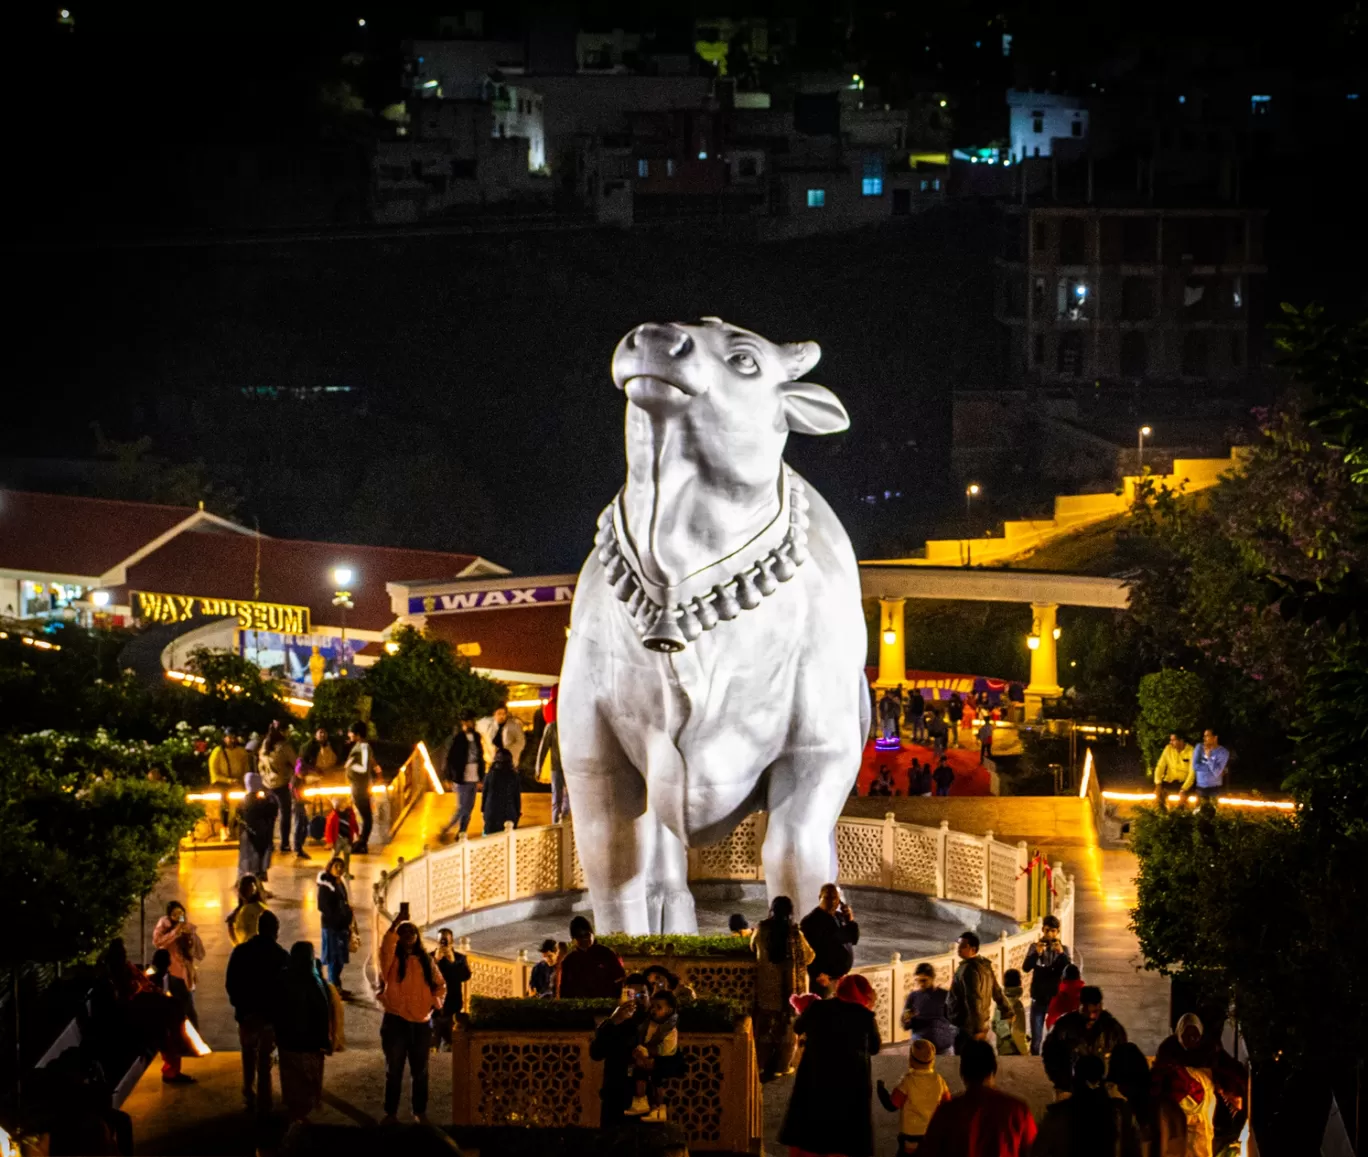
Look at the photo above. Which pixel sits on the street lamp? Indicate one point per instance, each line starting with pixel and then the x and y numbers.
pixel 1145 432
pixel 1033 642
pixel 100 599
pixel 342 578
pixel 970 493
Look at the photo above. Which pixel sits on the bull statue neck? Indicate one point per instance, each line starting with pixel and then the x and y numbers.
pixel 683 510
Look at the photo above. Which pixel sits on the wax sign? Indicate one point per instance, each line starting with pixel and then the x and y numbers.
pixel 149 607
pixel 490 600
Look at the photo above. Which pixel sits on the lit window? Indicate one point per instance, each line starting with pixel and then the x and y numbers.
pixel 872 186
pixel 1258 105
pixel 702 155
pixel 935 184
pixel 669 168
pixel 1182 100
pixel 816 198
pixel 643 168
pixel 925 185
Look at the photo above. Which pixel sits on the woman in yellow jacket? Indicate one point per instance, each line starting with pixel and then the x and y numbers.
pixel 1173 772
pixel 411 989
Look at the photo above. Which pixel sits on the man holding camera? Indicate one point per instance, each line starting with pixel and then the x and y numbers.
pixel 1045 960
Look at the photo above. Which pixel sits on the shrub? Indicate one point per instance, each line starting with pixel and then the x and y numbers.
pixel 1169 701
pixel 535 1014
pixel 676 945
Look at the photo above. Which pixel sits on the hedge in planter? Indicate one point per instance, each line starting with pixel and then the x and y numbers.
pixel 534 1014
pixel 677 945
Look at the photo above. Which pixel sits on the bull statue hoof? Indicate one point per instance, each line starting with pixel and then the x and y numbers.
pixel 715 665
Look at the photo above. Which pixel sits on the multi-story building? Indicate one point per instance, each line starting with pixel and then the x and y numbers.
pixel 1134 295
pixel 1040 119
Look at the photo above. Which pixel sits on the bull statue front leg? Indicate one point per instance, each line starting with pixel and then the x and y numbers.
pixel 669 903
pixel 806 795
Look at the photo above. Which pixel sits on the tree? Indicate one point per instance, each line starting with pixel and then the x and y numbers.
pixel 1169 701
pixel 79 853
pixel 419 691
pixel 337 704
pixel 1268 914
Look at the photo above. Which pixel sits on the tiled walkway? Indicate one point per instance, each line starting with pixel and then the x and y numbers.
pixel 206 1118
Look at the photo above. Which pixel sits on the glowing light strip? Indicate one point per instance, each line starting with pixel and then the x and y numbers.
pixel 309 792
pixel 30 641
pixel 1087 774
pixel 525 703
pixel 198 680
pixel 1224 800
pixel 431 771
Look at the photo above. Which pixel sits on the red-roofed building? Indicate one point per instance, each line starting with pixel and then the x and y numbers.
pixel 206 580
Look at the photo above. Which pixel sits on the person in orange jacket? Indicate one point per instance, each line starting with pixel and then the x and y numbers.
pixel 411 989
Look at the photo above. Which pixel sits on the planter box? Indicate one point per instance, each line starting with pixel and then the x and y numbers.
pixel 547 1080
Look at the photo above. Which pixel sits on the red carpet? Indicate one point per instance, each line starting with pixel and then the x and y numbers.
pixel 971 777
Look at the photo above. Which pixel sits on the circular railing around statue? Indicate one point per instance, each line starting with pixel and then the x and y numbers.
pixel 473 875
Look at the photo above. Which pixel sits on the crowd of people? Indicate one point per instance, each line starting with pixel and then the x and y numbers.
pixel 964 719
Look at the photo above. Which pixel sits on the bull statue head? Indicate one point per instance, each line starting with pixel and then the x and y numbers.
pixel 710 407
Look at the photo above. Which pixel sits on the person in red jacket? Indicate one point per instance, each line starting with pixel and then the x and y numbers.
pixel 340 831
pixel 588 969
pixel 980 1122
pixel 1067 999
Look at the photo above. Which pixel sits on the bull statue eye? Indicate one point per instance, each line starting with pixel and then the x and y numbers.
pixel 744 364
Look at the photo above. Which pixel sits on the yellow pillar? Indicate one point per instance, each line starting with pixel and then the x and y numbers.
pixel 1044 657
pixel 892 647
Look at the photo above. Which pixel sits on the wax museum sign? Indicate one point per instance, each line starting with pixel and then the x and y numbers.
pixel 150 607
pixel 491 600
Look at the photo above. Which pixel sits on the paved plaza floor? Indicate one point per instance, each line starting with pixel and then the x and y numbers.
pixel 207 1117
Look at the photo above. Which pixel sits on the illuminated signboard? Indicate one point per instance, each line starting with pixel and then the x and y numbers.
pixel 491 600
pixel 251 616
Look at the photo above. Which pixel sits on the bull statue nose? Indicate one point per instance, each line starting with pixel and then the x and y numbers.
pixel 675 341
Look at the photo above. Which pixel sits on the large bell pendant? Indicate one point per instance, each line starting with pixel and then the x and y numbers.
pixel 664 634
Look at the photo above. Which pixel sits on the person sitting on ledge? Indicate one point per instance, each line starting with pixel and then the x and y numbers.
pixel 588 970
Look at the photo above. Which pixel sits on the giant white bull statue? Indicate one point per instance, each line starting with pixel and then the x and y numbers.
pixel 715 664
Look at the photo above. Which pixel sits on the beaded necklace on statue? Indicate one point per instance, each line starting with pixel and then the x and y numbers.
pixel 670 624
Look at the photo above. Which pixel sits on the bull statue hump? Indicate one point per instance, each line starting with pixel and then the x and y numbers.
pixel 715 664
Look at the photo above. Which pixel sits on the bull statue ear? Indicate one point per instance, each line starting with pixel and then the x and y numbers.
pixel 801 356
pixel 813 409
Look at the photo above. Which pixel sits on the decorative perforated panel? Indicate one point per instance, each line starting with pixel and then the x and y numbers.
pixel 537 864
pixel 1016 954
pixel 488 871
pixel 882 983
pixel 445 886
pixel 490 977
pixel 914 860
pixel 1002 883
pixel 415 890
pixel 859 852
pixel 577 879
pixel 727 981
pixel 964 864
pixel 530 1084
pixel 736 857
pixel 695 1099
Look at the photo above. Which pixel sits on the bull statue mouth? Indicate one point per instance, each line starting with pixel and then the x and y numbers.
pixel 651 390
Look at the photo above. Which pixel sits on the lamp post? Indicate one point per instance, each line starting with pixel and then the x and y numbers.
pixel 342 578
pixel 970 493
pixel 1145 432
